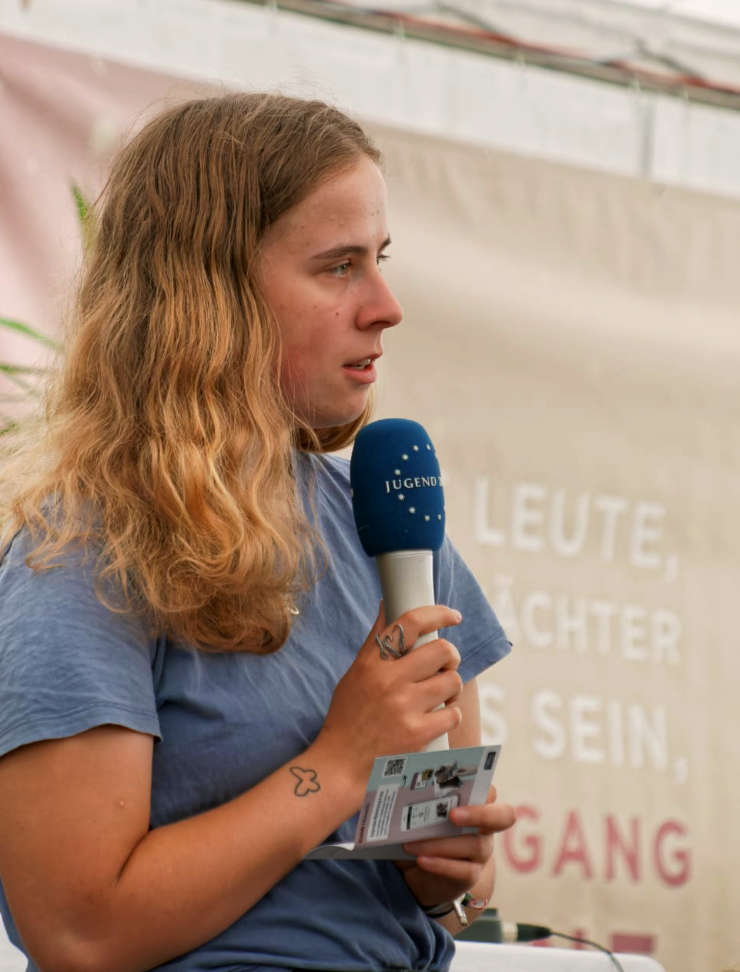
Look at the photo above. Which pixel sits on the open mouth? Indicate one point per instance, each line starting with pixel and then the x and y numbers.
pixel 362 365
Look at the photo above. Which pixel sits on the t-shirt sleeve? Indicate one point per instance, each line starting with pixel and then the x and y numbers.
pixel 67 662
pixel 479 637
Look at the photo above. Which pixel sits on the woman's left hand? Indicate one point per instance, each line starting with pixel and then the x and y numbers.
pixel 446 867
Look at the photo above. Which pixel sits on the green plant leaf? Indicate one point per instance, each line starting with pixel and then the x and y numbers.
pixel 82 206
pixel 9 369
pixel 84 215
pixel 19 399
pixel 19 382
pixel 13 374
pixel 28 331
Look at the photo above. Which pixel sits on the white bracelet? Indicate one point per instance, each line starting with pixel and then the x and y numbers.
pixel 439 910
pixel 446 908
pixel 458 906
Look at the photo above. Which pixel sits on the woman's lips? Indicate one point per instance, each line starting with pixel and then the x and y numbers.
pixel 362 370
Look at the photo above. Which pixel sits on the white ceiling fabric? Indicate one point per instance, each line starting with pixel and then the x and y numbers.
pixel 667 136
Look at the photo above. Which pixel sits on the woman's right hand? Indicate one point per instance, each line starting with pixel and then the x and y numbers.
pixel 387 705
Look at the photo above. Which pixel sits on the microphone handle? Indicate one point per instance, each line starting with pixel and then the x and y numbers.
pixel 407 582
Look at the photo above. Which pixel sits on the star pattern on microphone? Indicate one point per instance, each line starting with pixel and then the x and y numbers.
pixel 397 472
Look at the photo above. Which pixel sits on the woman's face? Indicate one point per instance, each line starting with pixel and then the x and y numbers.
pixel 320 274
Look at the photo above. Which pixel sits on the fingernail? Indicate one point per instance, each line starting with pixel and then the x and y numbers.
pixel 461 815
pixel 458 616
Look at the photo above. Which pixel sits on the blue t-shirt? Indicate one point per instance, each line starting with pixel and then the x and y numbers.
pixel 222 722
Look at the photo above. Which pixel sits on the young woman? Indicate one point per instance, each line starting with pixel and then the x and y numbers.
pixel 191 692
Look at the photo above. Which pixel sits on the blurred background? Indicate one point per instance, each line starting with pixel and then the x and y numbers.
pixel 565 212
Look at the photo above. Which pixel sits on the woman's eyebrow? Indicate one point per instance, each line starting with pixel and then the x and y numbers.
pixel 347 249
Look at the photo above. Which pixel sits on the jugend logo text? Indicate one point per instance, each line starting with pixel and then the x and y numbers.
pixel 412 482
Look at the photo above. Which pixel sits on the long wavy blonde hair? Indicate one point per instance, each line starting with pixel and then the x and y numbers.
pixel 168 444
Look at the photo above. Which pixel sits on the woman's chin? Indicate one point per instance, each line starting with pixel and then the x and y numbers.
pixel 333 417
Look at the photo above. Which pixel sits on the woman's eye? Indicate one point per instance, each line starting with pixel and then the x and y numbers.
pixel 346 266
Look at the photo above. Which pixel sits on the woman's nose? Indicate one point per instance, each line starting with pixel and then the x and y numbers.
pixel 381 307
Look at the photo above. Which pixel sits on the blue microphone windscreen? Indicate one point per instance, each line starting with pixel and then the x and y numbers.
pixel 396 488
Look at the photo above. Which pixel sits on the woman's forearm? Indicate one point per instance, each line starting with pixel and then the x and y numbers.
pixel 202 873
pixel 182 883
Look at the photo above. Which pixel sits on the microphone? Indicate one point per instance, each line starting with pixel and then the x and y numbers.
pixel 398 507
pixel 490 928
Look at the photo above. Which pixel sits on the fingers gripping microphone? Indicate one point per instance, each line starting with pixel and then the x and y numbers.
pixel 399 512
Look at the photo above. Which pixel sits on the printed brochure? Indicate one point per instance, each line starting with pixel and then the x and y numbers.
pixel 409 797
